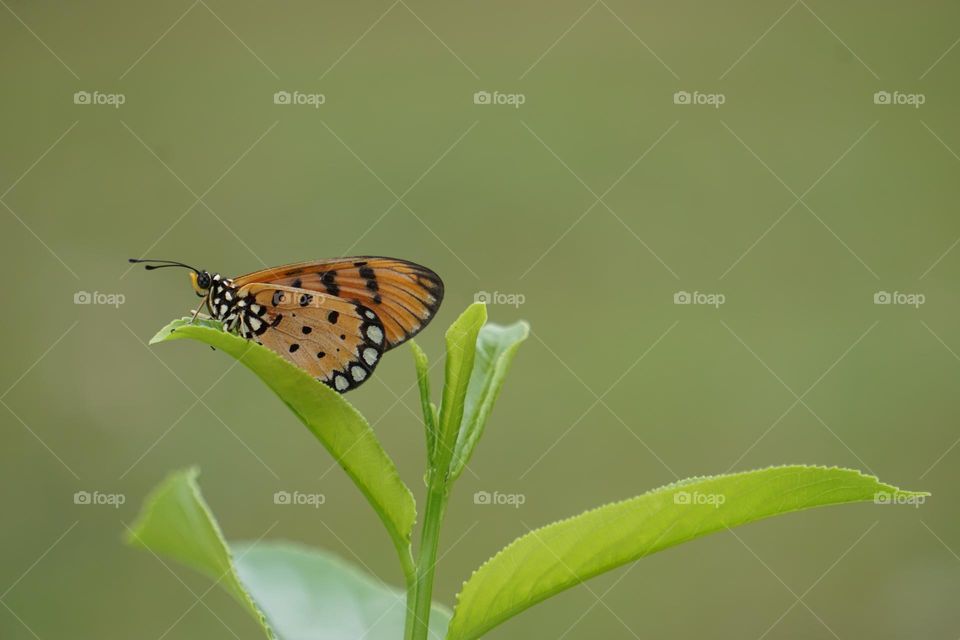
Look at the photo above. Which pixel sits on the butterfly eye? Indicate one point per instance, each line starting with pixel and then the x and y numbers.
pixel 203 280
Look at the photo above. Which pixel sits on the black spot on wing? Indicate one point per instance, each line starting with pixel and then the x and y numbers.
pixel 370 276
pixel 329 281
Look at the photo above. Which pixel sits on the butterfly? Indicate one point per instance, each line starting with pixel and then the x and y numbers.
pixel 332 318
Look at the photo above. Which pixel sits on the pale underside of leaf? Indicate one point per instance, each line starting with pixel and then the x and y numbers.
pixel 496 347
pixel 560 555
pixel 308 594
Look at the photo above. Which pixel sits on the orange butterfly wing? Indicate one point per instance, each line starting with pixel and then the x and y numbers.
pixel 405 296
pixel 336 341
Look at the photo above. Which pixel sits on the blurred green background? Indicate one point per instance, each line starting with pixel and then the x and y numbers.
pixel 597 200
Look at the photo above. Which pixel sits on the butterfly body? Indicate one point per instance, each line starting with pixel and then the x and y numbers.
pixel 333 318
pixel 239 313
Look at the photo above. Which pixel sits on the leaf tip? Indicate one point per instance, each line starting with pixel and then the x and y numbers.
pixel 187 475
pixel 473 317
pixel 166 333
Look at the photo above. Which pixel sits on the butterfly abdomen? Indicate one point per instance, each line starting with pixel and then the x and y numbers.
pixel 239 313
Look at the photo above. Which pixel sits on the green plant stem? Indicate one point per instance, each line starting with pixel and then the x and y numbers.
pixel 426 563
pixel 410 580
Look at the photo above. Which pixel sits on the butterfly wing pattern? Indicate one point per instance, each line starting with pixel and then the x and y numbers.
pixel 332 318
pixel 404 295
pixel 338 341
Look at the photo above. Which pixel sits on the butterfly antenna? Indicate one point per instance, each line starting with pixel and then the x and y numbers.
pixel 161 264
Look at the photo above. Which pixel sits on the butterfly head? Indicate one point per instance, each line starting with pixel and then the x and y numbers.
pixel 201 280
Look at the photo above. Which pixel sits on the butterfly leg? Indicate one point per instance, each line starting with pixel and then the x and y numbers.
pixel 197 311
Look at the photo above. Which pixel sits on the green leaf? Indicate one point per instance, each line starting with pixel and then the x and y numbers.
pixel 307 593
pixel 496 347
pixel 291 590
pixel 177 523
pixel 423 381
pixel 461 347
pixel 334 421
pixel 563 554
